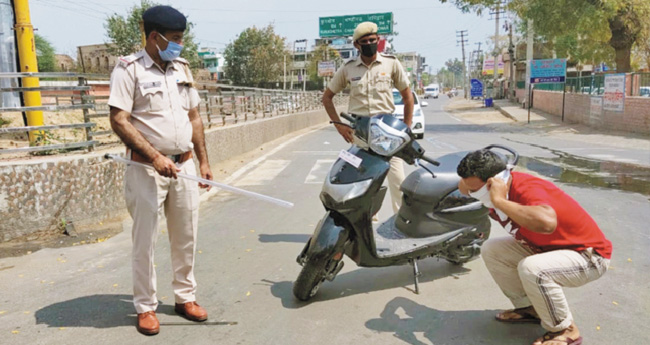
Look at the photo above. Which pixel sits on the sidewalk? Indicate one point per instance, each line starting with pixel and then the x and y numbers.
pixel 553 125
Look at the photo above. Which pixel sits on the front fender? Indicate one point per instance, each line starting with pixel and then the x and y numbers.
pixel 328 239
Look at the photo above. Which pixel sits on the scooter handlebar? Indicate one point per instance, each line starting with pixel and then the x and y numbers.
pixel 430 160
pixel 348 117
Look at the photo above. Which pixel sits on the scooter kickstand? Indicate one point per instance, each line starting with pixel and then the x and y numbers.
pixel 416 275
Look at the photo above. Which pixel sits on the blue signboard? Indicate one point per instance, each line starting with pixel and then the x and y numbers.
pixel 548 71
pixel 477 88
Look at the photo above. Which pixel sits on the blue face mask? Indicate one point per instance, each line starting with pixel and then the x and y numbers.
pixel 172 52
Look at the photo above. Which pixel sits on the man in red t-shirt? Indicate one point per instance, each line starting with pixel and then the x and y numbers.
pixel 554 243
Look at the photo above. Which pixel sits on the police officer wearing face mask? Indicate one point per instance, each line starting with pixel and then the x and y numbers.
pixel 154 110
pixel 372 77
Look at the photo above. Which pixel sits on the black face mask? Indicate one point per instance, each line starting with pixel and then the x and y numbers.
pixel 368 50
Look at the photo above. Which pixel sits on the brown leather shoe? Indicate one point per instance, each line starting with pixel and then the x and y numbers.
pixel 191 311
pixel 148 323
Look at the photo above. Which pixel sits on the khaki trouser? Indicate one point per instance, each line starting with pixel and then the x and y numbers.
pixel 146 192
pixel 533 279
pixel 395 178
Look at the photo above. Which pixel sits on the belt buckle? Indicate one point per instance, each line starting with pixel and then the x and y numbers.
pixel 175 158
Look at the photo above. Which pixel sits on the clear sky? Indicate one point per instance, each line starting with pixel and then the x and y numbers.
pixel 425 26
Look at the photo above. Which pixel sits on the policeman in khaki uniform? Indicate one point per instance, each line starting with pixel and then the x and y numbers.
pixel 371 77
pixel 154 110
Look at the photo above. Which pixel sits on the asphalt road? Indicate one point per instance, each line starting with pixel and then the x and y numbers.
pixel 247 249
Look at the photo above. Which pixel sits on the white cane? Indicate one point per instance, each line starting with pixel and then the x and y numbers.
pixel 204 181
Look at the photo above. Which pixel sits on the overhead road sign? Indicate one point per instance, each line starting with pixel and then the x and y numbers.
pixel 340 26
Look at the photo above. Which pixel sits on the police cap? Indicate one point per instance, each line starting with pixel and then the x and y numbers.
pixel 165 17
pixel 364 29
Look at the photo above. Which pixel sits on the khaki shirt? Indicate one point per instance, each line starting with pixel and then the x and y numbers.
pixel 371 87
pixel 159 101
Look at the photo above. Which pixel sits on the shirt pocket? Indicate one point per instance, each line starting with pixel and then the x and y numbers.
pixel 184 94
pixel 383 83
pixel 357 88
pixel 152 91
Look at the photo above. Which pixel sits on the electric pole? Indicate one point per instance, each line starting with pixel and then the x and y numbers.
pixel 497 12
pixel 529 58
pixel 511 53
pixel 479 53
pixel 463 40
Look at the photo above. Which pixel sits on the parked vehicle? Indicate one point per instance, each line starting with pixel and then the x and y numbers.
pixel 435 219
pixel 433 90
pixel 644 91
pixel 417 125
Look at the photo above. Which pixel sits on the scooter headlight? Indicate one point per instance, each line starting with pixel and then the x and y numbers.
pixel 384 143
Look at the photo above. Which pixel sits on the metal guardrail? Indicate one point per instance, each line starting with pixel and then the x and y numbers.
pixel 221 104
pixel 75 92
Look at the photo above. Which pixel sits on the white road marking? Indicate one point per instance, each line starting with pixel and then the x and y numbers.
pixel 264 173
pixel 319 153
pixel 241 171
pixel 319 171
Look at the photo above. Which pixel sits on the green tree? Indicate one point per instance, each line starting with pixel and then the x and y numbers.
pixel 322 53
pixel 45 54
pixel 256 57
pixel 592 24
pixel 126 38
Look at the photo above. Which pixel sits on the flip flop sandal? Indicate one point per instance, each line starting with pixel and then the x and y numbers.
pixel 526 317
pixel 560 339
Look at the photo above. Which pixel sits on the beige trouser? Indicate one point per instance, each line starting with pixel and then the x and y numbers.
pixel 146 192
pixel 395 179
pixel 533 279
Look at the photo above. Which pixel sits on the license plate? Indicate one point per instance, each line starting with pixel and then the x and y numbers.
pixel 350 158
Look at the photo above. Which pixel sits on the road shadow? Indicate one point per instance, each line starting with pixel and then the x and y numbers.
pixel 275 238
pixel 365 280
pixel 406 319
pixel 97 311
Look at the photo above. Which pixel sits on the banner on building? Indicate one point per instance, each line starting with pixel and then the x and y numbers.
pixel 326 68
pixel 596 108
pixel 614 95
pixel 488 65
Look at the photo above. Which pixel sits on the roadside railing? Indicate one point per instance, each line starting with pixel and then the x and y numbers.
pixel 76 105
pixel 82 104
pixel 223 104
pixel 595 84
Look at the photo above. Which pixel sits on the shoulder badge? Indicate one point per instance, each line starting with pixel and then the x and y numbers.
pixel 182 60
pixel 129 59
pixel 388 56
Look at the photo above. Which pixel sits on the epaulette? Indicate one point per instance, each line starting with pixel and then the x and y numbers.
pixel 125 61
pixel 351 60
pixel 388 56
pixel 182 60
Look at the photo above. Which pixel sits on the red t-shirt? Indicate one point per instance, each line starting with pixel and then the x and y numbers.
pixel 575 228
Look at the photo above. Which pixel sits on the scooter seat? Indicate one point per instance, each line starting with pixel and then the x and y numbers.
pixel 420 186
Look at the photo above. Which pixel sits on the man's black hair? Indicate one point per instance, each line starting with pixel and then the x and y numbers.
pixel 482 164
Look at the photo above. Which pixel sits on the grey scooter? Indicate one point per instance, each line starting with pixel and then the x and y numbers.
pixel 435 219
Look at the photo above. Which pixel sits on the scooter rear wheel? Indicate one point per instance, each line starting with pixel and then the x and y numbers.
pixel 309 280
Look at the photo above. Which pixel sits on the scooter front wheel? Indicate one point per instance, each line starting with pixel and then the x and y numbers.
pixel 309 280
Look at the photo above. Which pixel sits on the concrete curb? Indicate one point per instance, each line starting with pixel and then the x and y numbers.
pixel 504 112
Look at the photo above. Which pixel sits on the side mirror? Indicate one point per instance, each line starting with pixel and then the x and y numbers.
pixel 424 104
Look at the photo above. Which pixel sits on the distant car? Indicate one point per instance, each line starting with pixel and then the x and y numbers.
pixel 432 90
pixel 417 125
pixel 644 91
